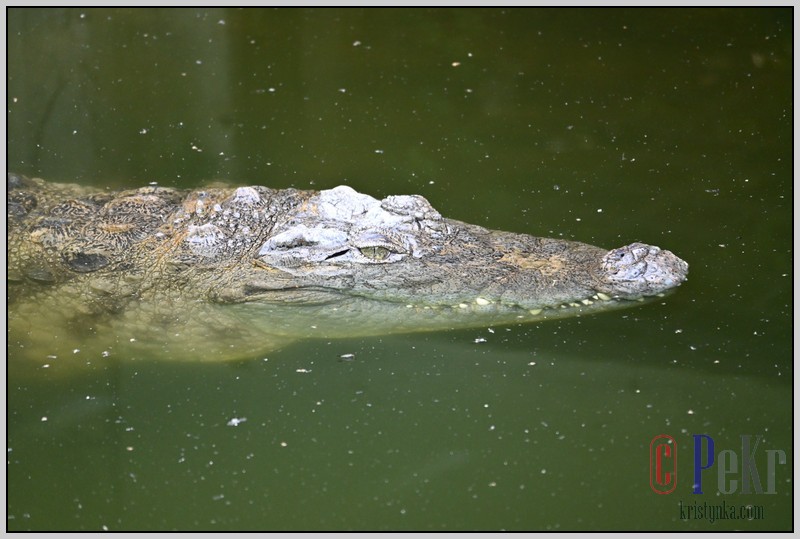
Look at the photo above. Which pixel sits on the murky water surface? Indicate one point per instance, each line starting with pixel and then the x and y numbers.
pixel 672 127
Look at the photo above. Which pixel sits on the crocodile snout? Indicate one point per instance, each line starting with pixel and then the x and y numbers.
pixel 638 270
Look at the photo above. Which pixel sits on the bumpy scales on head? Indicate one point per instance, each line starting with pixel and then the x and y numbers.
pixel 226 272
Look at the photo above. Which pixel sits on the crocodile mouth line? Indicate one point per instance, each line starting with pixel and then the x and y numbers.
pixel 597 300
pixel 318 295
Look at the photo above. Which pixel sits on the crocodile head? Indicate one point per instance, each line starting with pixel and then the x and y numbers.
pixel 223 273
pixel 340 244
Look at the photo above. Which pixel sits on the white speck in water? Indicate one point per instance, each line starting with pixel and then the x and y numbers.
pixel 236 421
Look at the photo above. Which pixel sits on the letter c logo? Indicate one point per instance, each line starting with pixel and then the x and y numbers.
pixel 663 464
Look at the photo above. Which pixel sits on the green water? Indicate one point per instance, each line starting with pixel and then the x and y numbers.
pixel 672 127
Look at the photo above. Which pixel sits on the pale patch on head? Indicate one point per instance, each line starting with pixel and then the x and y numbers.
pixel 204 239
pixel 346 205
pixel 301 242
pixel 246 196
pixel 342 203
pixel 340 227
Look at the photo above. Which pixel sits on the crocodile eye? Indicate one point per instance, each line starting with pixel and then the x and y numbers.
pixel 376 252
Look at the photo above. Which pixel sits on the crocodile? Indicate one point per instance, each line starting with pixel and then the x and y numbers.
pixel 227 272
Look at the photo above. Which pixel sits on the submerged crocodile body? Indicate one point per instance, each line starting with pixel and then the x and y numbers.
pixel 228 272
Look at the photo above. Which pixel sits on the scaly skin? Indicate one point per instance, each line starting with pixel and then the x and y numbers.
pixel 227 272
